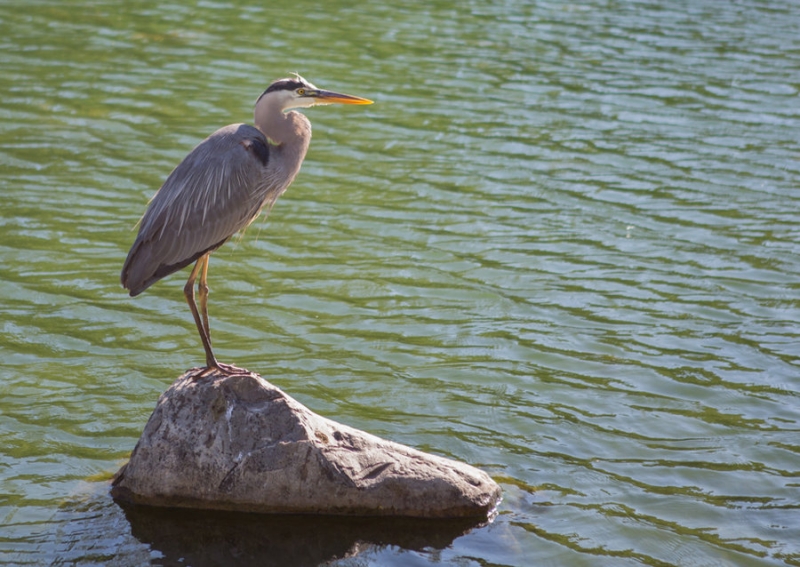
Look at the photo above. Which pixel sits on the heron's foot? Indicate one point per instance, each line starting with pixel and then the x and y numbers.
pixel 220 368
pixel 232 370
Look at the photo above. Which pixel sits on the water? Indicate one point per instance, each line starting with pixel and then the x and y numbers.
pixel 562 246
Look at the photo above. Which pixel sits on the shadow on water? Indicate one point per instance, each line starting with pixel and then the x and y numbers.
pixel 201 538
pixel 95 527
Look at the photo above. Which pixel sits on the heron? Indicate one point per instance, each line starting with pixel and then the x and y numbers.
pixel 218 190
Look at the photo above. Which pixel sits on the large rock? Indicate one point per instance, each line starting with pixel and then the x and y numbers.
pixel 239 443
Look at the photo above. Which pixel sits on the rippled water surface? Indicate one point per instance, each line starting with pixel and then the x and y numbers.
pixel 562 246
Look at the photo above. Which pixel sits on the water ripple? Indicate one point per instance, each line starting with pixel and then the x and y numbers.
pixel 563 246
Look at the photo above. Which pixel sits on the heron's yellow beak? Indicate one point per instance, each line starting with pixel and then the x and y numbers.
pixel 328 97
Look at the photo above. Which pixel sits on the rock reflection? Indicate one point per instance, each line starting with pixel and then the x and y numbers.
pixel 203 538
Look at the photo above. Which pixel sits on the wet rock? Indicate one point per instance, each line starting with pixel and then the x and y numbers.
pixel 239 443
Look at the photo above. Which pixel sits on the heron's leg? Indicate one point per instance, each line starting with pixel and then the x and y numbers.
pixel 202 292
pixel 188 291
pixel 201 318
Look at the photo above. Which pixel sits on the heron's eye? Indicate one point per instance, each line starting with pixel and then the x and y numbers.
pixel 301 91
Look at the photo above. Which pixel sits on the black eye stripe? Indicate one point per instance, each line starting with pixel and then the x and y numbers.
pixel 284 85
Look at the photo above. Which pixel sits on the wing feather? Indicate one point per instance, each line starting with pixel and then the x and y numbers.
pixel 217 190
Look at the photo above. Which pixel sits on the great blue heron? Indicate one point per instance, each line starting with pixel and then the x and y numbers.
pixel 219 189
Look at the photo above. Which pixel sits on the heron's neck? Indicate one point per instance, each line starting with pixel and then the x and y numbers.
pixel 282 127
pixel 289 133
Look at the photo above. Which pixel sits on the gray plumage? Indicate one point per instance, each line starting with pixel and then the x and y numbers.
pixel 220 188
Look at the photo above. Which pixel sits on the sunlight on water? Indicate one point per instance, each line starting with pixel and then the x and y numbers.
pixel 562 246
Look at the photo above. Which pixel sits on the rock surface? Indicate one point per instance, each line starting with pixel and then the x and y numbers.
pixel 239 443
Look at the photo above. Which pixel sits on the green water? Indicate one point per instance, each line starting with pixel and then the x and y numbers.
pixel 562 246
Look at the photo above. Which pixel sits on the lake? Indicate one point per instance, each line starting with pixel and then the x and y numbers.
pixel 562 246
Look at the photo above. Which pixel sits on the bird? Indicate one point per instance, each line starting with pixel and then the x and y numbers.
pixel 218 189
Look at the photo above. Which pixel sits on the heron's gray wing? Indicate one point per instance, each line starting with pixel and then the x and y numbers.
pixel 218 189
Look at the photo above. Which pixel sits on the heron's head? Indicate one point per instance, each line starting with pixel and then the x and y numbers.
pixel 296 92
